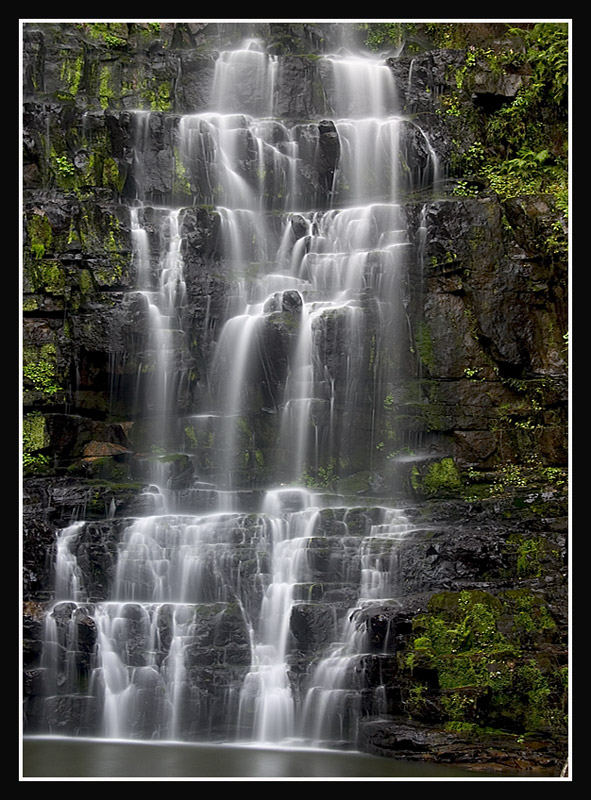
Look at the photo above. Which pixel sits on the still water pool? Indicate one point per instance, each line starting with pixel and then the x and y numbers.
pixel 57 757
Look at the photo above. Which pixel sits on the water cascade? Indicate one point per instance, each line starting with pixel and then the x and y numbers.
pixel 191 622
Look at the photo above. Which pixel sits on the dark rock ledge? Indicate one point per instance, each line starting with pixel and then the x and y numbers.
pixel 507 755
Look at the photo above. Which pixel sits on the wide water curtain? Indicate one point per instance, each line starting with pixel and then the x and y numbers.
pixel 232 609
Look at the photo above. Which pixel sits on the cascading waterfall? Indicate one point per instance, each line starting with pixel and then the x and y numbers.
pixel 160 369
pixel 267 694
pixel 195 636
pixel 332 705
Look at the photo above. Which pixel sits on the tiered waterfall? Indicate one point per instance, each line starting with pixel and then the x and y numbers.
pixel 234 607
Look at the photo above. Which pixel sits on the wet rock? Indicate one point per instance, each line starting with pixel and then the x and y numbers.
pixel 38 543
pixel 32 634
pixel 385 626
pixel 312 627
pixel 72 715
pixel 289 301
pixel 277 335
pixel 95 549
pixel 401 738
pixel 179 472
pixel 103 449
pixel 504 86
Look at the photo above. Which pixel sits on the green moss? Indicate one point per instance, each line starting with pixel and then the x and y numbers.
pixel 100 233
pixel 47 276
pixel 542 697
pixel 354 484
pixel 106 468
pixel 384 34
pixel 85 282
pixel 105 91
pixel 30 304
pixel 71 73
pixel 111 34
pixel 40 369
pixel 427 406
pixel 480 647
pixel 533 555
pixel 446 34
pixel 181 185
pixel 415 37
pixel 191 435
pixel 40 235
pixel 530 617
pixel 102 169
pixel 462 640
pixel 528 558
pixel 424 345
pixel 440 478
pixel 34 439
pixel 111 174
pixel 156 93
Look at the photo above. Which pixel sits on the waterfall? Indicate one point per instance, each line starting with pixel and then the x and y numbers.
pixel 163 297
pixel 332 703
pixel 186 629
pixel 267 690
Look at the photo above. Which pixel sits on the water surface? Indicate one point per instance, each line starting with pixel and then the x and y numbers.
pixel 57 757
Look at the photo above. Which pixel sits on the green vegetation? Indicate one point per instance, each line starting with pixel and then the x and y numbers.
pixel 181 184
pixel 100 232
pixel 47 276
pixel 325 477
pixel 94 165
pixel 40 369
pixel 40 235
pixel 64 171
pixel 530 555
pixel 156 93
pixel 488 671
pixel 111 34
pixel 519 147
pixel 414 36
pixel 424 345
pixel 34 439
pixel 384 34
pixel 523 144
pixel 71 73
pixel 438 479
pixel 517 482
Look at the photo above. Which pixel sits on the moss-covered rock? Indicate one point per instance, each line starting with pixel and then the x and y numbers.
pixel 436 479
pixel 490 669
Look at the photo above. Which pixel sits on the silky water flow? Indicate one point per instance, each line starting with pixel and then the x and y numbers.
pixel 197 640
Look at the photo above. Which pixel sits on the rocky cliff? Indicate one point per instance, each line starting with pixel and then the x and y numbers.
pixel 472 425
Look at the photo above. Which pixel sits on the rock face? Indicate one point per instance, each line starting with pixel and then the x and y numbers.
pixel 454 410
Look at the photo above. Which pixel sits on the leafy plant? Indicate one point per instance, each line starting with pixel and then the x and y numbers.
pixel 523 145
pixel 384 34
pixel 33 440
pixel 324 477
pixel 40 369
pixel 64 166
pixel 547 53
